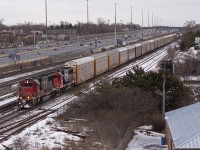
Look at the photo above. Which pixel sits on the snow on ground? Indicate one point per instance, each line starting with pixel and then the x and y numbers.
pixel 146 139
pixel 190 78
pixel 42 134
pixel 8 100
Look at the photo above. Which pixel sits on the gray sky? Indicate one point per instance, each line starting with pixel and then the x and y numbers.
pixel 176 11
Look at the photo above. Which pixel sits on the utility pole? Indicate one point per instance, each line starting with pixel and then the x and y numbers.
pixel 34 38
pixel 142 17
pixel 131 18
pixel 115 27
pixel 148 18
pixel 152 19
pixel 163 98
pixel 46 20
pixel 87 20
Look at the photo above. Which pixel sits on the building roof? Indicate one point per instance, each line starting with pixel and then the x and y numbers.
pixel 184 125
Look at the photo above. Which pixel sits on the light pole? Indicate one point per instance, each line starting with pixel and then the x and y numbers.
pixel 115 27
pixel 152 19
pixel 46 20
pixel 131 18
pixel 148 18
pixel 87 20
pixel 34 38
pixel 78 29
pixel 163 98
pixel 142 17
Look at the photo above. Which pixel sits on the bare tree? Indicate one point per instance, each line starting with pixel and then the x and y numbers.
pixel 189 25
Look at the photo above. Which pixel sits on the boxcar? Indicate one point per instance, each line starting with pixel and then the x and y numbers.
pixel 131 51
pixel 113 58
pixel 138 49
pixel 100 63
pixel 155 43
pixel 158 42
pixel 123 55
pixel 83 69
pixel 162 41
pixel 152 45
pixel 144 47
pixel 148 46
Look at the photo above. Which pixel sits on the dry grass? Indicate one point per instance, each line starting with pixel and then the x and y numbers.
pixel 109 113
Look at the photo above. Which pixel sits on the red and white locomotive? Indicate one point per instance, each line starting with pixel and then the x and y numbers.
pixel 32 91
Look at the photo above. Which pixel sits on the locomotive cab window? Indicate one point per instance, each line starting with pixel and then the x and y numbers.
pixel 27 84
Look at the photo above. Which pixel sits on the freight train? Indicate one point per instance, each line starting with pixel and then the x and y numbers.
pixel 32 91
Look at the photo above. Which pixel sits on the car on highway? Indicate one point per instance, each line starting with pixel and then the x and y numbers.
pixel 17 50
pixel 3 51
pixel 36 47
pixel 11 55
pixel 81 44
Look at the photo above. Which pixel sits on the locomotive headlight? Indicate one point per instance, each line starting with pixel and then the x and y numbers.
pixel 28 97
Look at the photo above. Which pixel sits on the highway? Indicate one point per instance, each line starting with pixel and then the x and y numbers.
pixel 66 47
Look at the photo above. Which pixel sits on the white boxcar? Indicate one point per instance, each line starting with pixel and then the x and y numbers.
pixel 162 39
pixel 138 49
pixel 159 42
pixel 83 69
pixel 156 43
pixel 131 51
pixel 144 47
pixel 113 58
pixel 100 63
pixel 152 44
pixel 123 55
pixel 148 46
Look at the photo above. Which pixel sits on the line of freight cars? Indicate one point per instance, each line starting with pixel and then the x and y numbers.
pixel 32 91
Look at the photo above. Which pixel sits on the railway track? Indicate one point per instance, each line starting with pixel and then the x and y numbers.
pixel 21 119
pixel 156 55
pixel 4 109
pixel 17 121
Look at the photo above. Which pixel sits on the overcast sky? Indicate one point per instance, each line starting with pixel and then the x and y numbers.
pixel 176 11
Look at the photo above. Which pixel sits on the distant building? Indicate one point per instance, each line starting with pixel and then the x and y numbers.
pixel 183 128
pixel 5 37
pixel 61 34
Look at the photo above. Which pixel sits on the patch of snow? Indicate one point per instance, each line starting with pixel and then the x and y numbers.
pixel 145 139
pixel 8 100
pixel 42 134
pixel 193 51
pixel 190 78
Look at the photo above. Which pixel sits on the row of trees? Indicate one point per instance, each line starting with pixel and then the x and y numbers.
pixel 101 27
pixel 82 28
